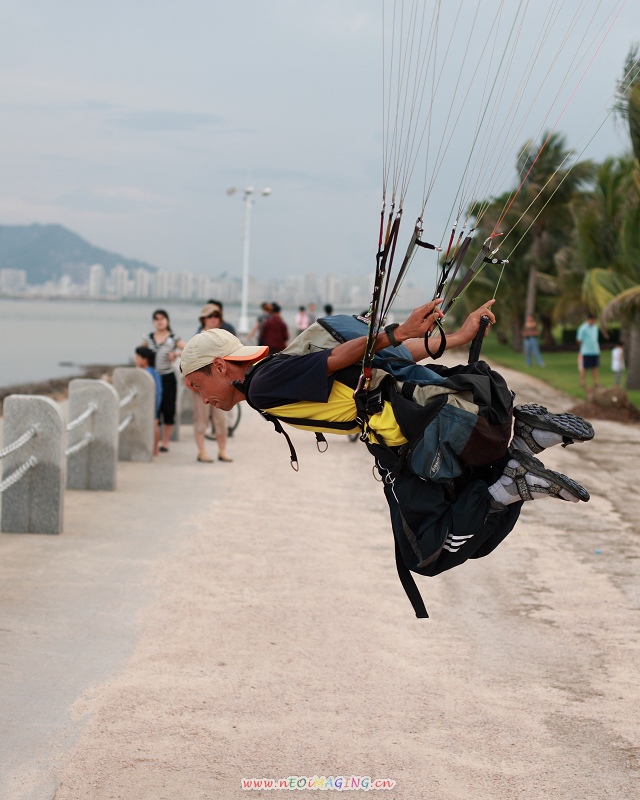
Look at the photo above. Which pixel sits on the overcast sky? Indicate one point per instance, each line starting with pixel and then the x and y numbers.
pixel 127 121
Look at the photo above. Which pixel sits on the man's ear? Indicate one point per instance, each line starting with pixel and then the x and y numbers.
pixel 219 365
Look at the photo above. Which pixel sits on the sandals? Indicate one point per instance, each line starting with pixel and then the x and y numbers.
pixel 557 481
pixel 531 415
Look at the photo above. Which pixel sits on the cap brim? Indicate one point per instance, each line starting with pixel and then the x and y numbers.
pixel 248 353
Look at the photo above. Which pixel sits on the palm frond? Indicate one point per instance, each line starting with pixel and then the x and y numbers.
pixel 625 306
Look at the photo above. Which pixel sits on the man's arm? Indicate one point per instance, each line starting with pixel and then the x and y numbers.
pixel 464 335
pixel 410 333
pixel 419 322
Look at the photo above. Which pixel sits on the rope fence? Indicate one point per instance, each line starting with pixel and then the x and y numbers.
pixel 105 423
pixel 128 398
pixel 31 431
pixel 91 408
pixel 126 421
pixel 75 448
pixel 18 473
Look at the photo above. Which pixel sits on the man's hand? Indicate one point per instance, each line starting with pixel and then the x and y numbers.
pixel 471 324
pixel 422 320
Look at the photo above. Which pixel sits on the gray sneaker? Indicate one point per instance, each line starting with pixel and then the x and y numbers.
pixel 557 481
pixel 531 416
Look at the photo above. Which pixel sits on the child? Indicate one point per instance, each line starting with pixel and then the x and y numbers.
pixel 146 359
pixel 617 363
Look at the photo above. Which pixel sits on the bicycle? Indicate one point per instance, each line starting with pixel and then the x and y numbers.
pixel 233 420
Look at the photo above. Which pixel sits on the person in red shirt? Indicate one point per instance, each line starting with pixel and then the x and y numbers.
pixel 275 333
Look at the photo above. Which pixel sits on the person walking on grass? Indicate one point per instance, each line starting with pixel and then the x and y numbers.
pixel 530 341
pixel 617 363
pixel 588 336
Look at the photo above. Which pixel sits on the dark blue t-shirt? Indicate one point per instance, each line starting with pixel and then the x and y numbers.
pixel 290 380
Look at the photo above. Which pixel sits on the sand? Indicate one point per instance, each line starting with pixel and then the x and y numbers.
pixel 272 638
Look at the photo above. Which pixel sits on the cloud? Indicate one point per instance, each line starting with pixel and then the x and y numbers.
pixel 163 120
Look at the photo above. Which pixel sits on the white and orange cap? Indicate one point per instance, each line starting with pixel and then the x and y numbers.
pixel 206 346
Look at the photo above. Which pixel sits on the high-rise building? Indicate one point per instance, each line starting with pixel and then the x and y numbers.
pixel 142 283
pixel 97 283
pixel 186 286
pixel 119 280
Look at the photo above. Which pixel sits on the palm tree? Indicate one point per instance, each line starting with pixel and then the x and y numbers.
pixel 551 187
pixel 613 287
pixel 538 225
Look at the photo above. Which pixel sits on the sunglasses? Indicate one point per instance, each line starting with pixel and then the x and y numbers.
pixel 214 315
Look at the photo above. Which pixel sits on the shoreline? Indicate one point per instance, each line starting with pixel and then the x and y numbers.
pixel 57 388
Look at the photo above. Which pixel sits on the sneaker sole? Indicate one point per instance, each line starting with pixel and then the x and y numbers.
pixel 536 467
pixel 568 425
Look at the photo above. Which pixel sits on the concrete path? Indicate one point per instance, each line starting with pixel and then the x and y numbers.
pixel 212 622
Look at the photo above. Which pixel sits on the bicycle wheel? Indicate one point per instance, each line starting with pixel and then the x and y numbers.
pixel 233 419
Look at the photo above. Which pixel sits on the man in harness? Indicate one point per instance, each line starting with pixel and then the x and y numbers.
pixel 454 476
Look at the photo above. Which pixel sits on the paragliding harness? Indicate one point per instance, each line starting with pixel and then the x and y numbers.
pixel 481 432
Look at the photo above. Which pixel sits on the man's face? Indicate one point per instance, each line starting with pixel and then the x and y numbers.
pixel 217 388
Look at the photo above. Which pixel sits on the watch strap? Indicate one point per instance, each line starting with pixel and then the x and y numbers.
pixel 390 331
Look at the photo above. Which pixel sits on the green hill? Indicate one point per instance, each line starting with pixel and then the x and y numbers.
pixel 48 251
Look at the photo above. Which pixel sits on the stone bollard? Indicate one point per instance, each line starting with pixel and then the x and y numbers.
pixel 93 466
pixel 34 503
pixel 136 436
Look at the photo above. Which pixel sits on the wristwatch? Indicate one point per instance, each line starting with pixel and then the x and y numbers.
pixel 390 331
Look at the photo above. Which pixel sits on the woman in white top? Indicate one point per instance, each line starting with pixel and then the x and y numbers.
pixel 167 347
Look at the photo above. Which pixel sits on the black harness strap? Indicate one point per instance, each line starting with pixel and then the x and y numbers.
pixel 409 586
pixel 478 339
pixel 443 341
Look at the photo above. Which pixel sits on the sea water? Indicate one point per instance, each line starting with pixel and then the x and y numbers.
pixel 40 339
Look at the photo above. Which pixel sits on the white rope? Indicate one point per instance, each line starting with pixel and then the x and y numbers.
pixel 91 408
pixel 75 448
pixel 26 436
pixel 125 422
pixel 18 473
pixel 128 398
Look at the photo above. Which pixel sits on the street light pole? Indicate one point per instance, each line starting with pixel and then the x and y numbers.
pixel 243 324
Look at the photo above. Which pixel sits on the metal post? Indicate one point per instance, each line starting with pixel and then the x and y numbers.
pixel 243 325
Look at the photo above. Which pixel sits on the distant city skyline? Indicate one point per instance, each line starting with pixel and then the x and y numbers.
pixel 290 291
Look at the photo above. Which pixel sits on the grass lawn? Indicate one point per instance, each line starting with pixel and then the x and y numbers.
pixel 560 369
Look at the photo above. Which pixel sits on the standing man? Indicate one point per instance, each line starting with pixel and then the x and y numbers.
pixel 226 326
pixel 530 341
pixel 210 319
pixel 311 313
pixel 588 337
pixel 275 333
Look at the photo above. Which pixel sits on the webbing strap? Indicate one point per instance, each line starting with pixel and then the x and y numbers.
pixel 318 423
pixel 409 586
pixel 279 429
pixel 443 341
pixel 478 339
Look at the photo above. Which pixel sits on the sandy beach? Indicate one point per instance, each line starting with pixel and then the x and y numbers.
pixel 213 622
